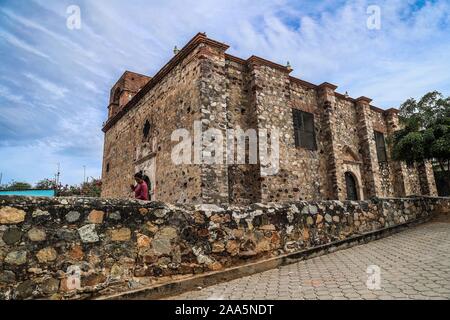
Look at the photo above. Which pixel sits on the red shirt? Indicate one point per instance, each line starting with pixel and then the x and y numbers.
pixel 141 191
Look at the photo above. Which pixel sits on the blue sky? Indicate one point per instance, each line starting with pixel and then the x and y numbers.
pixel 55 82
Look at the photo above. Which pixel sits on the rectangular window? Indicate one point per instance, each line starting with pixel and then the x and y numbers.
pixel 305 136
pixel 381 146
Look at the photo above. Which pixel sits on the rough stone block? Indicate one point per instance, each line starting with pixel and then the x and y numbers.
pixel 10 215
pixel 122 234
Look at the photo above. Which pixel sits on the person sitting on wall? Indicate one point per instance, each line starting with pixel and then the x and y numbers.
pixel 141 189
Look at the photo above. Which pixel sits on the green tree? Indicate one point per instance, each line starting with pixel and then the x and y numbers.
pixel 92 188
pixel 16 185
pixel 87 189
pixel 45 184
pixel 426 131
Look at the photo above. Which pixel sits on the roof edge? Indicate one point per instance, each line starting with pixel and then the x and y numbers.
pixel 201 37
pixel 185 51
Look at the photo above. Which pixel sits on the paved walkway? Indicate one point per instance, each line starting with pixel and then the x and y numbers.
pixel 414 264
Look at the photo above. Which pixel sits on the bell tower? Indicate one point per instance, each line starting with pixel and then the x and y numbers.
pixel 124 90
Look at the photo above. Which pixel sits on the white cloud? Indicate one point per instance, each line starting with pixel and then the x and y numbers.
pixel 13 40
pixel 41 162
pixel 91 86
pixel 56 91
pixel 323 40
pixel 6 93
pixel 57 37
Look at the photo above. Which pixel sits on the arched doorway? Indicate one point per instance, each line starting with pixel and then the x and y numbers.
pixel 352 187
pixel 116 96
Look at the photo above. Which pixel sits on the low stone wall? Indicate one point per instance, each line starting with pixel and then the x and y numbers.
pixel 50 246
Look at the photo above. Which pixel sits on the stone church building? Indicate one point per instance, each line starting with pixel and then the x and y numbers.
pixel 331 146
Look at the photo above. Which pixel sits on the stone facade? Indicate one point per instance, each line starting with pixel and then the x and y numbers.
pixel 203 83
pixel 75 247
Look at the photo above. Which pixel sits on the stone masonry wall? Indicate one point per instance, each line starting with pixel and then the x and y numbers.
pixel 270 97
pixel 174 103
pixel 244 186
pixel 202 83
pixel 385 169
pixel 348 146
pixel 44 241
pixel 302 173
pixel 214 95
pixel 309 167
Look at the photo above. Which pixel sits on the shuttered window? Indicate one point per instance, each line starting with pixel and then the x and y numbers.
pixel 381 147
pixel 304 133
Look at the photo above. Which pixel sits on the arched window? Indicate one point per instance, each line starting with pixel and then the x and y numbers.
pixel 116 97
pixel 146 129
pixel 352 186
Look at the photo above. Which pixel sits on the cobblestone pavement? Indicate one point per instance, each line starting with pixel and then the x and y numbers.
pixel 415 264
